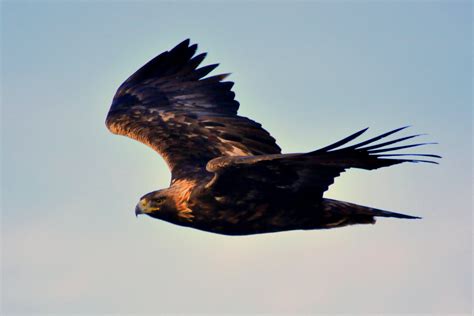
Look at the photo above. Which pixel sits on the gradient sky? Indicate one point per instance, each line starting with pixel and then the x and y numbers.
pixel 312 73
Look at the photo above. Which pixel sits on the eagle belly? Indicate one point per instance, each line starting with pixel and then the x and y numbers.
pixel 248 211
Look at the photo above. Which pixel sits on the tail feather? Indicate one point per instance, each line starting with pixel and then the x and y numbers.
pixel 381 213
pixel 339 213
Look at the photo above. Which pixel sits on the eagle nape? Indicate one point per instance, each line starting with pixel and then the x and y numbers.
pixel 228 174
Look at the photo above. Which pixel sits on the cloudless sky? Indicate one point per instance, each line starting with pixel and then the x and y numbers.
pixel 311 73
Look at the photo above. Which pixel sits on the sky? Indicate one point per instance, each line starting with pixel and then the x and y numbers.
pixel 311 73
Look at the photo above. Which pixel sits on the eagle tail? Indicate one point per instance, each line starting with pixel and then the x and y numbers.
pixel 339 213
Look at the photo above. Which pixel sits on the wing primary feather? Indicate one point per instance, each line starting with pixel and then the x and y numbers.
pixel 397 161
pixel 376 138
pixel 203 71
pixel 416 155
pixel 193 64
pixel 178 58
pixel 341 142
pixel 183 44
pixel 215 78
pixel 390 142
pixel 397 148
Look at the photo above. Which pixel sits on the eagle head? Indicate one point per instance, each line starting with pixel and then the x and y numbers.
pixel 155 204
pixel 170 204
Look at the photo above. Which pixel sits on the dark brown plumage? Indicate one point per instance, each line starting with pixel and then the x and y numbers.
pixel 228 174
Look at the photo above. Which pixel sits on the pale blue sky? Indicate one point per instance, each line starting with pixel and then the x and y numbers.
pixel 311 72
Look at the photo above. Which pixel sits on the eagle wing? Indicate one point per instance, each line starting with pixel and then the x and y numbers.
pixel 309 175
pixel 170 105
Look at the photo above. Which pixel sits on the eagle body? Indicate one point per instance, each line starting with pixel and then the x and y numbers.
pixel 243 212
pixel 228 174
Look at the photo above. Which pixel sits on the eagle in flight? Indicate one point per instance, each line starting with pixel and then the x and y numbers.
pixel 228 174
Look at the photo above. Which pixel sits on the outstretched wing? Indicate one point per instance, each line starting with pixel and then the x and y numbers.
pixel 188 119
pixel 310 174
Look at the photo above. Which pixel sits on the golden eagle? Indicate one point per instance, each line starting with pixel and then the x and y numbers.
pixel 228 174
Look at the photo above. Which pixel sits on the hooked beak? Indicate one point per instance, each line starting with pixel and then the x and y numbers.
pixel 138 210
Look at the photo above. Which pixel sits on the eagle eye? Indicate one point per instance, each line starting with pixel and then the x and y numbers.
pixel 160 200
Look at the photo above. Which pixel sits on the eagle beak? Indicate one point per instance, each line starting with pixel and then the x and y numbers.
pixel 138 210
